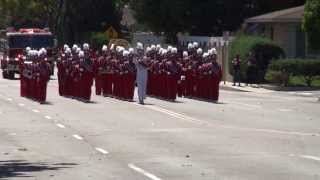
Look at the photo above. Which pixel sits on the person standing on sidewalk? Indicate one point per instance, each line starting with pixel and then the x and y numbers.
pixel 236 68
pixel 252 73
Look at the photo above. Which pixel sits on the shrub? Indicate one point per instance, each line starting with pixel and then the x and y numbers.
pixel 308 69
pixel 98 39
pixel 277 77
pixel 263 49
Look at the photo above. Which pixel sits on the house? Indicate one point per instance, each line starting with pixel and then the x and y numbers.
pixel 284 27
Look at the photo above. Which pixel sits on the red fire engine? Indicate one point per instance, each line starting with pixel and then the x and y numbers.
pixel 14 43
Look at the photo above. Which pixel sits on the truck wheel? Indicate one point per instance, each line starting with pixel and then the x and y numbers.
pixel 11 75
pixel 4 75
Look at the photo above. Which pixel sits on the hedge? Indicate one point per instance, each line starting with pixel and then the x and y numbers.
pixel 264 50
pixel 306 68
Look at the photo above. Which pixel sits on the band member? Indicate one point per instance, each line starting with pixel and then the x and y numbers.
pixel 43 76
pixel 142 72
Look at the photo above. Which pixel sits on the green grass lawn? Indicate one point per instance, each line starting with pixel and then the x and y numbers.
pixel 298 81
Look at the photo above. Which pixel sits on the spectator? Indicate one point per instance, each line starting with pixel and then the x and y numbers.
pixel 236 68
pixel 252 72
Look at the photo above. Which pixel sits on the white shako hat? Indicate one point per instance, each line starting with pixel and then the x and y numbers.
pixel 78 50
pixel 65 47
pixel 118 48
pixel 140 46
pixel 205 55
pixel 195 45
pixel 125 53
pixel 174 50
pixel 43 51
pixel 190 46
pixel 81 54
pixel 148 49
pixel 34 53
pixel 104 48
pixel 38 53
pixel 185 54
pixel 28 49
pixel 68 51
pixel 86 46
pixel 164 52
pixel 214 51
pixel 131 50
pixel 74 47
pixel 199 51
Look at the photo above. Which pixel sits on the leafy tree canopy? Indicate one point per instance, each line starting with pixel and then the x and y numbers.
pixel 311 23
pixel 206 17
pixel 71 20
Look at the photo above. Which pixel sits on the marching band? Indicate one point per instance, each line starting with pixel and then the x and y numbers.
pixel 158 72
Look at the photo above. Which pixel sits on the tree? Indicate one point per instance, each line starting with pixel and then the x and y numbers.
pixel 206 17
pixel 20 13
pixel 311 23
pixel 78 20
pixel 72 20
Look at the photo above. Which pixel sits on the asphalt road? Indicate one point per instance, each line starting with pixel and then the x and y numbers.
pixel 247 136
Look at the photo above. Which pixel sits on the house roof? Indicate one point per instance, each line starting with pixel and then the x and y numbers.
pixel 288 15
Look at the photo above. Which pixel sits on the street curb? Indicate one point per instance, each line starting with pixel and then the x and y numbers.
pixel 287 89
pixel 227 88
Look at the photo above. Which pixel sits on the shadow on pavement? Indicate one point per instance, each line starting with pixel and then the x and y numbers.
pixel 20 168
pixel 48 103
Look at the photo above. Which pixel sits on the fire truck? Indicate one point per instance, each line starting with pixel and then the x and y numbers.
pixel 13 44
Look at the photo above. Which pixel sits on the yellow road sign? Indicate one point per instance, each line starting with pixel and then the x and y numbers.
pixel 112 33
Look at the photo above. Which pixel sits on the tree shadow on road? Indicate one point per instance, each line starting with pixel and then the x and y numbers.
pixel 21 168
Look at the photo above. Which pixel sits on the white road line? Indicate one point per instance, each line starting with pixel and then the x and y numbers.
pixel 201 122
pixel 286 132
pixel 35 110
pixel 102 150
pixel 176 115
pixel 61 126
pixel 145 173
pixel 310 157
pixel 285 110
pixel 48 117
pixel 305 94
pixel 244 104
pixel 78 137
pixel 273 131
pixel 21 104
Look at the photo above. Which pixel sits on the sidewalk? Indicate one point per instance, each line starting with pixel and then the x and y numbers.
pixel 252 88
pixel 304 92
